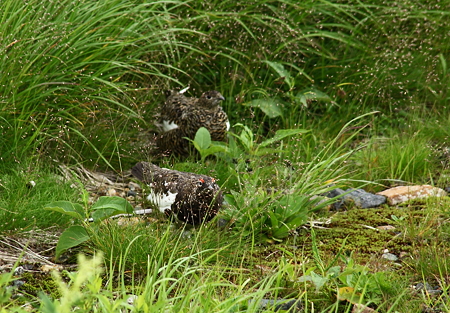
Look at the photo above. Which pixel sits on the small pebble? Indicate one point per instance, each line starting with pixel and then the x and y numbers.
pixel 131 299
pixel 111 192
pixel 19 271
pixel 31 184
pixel 389 256
pixel 131 193
pixel 18 283
pixel 48 268
pixel 386 227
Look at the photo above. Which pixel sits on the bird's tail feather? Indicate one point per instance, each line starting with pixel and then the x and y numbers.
pixel 138 171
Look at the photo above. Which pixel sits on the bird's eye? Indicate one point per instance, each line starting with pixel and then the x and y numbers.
pixel 208 97
pixel 200 182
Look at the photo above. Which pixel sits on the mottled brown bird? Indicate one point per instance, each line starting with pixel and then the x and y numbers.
pixel 182 116
pixel 192 198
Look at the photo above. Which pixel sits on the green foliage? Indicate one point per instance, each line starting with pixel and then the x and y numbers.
pixel 83 291
pixel 250 147
pixel 399 158
pixel 245 145
pixel 5 290
pixel 75 235
pixel 288 102
pixel 71 237
pixel 270 213
pixel 353 282
pixel 75 82
pixel 202 142
pixel 80 81
pixel 269 217
pixel 21 200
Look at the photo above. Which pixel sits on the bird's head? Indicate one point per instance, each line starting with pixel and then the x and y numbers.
pixel 211 99
pixel 207 185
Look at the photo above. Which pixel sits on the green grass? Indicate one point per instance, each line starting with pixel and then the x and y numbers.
pixel 80 82
pixel 21 201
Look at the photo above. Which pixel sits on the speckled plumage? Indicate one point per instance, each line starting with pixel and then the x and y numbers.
pixel 192 198
pixel 182 116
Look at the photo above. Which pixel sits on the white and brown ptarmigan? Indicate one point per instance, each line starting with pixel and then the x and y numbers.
pixel 182 116
pixel 192 198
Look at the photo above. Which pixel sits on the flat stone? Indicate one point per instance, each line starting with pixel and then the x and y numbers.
pixel 401 194
pixel 386 227
pixel 360 308
pixel 389 256
pixel 364 199
pixel 359 197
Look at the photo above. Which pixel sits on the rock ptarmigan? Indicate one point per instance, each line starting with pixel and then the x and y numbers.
pixel 182 116
pixel 192 198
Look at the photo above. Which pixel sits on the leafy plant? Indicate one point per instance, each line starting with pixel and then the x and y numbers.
pixel 352 282
pixel 202 142
pixel 75 235
pixel 246 146
pixel 5 289
pixel 382 160
pixel 286 103
pixel 269 217
pixel 83 291
pixel 247 141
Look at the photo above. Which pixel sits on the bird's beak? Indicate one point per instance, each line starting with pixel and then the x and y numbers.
pixel 222 98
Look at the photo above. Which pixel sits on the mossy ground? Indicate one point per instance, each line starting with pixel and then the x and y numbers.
pixel 417 235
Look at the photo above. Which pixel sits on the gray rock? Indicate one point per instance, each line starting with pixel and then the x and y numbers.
pixel 282 304
pixel 426 287
pixel 359 197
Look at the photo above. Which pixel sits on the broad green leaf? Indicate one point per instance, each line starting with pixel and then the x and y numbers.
pixel 102 214
pixel 109 206
pixel 202 138
pixel 280 134
pixel 68 208
pixel 312 94
pixel 280 70
pixel 213 149
pixel 71 237
pixel 334 271
pixel 270 106
pixel 117 203
pixel 316 279
pixel 301 99
pixel 230 199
